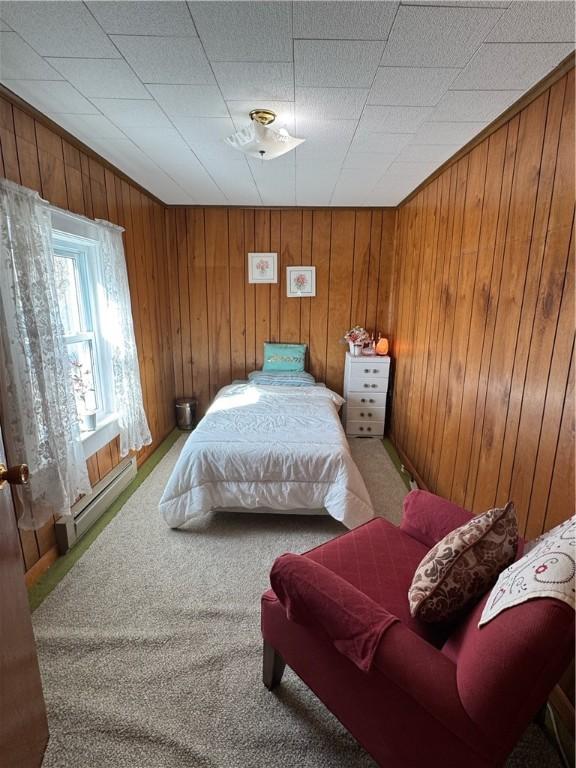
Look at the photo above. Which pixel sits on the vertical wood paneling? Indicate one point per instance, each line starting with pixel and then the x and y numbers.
pixel 484 319
pixel 41 159
pixel 228 319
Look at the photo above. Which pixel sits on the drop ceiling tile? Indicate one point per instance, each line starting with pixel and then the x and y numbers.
pixel 238 185
pixel 105 78
pixel 240 113
pixel 515 66
pixel 343 20
pixel 473 106
pixel 190 100
pixel 59 29
pixel 382 143
pixel 325 139
pixel 330 103
pixel 4 27
pixel 245 31
pixel 532 22
pixel 438 153
pixel 368 160
pixel 127 113
pixel 405 171
pixel 336 63
pixel 124 154
pixel 275 181
pixel 52 96
pixel 18 61
pixel 89 127
pixel 144 18
pixel 437 36
pixel 156 60
pixel 389 194
pixel 253 80
pixel 447 133
pixel 393 119
pixel 205 136
pixel 315 184
pixel 361 180
pixel 411 86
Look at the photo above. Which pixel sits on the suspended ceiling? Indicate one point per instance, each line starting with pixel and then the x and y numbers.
pixel 383 92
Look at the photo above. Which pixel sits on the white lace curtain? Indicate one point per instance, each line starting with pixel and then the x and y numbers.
pixel 37 406
pixel 117 327
pixel 39 417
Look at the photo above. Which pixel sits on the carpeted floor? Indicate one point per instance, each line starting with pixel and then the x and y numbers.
pixel 150 646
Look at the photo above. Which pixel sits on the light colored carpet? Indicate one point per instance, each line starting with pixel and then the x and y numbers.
pixel 150 646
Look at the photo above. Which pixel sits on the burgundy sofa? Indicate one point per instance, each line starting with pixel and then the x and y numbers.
pixel 412 694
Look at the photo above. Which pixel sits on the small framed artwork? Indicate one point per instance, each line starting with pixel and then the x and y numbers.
pixel 262 268
pixel 301 281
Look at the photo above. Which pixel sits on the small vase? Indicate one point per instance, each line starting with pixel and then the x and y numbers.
pixel 355 349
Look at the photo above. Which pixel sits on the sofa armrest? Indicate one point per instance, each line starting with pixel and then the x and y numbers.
pixel 313 595
pixel 428 518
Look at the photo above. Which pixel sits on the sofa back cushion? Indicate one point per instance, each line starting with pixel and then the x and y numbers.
pixel 464 564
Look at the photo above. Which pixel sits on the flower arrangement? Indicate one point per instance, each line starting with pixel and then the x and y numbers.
pixel 300 281
pixel 356 335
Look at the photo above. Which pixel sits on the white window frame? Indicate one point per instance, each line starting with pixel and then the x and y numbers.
pixel 67 239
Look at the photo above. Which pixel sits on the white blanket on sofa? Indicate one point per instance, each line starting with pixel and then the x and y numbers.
pixel 277 447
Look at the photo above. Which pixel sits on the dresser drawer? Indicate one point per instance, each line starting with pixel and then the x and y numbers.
pixel 370 366
pixel 363 383
pixel 375 429
pixel 367 413
pixel 361 399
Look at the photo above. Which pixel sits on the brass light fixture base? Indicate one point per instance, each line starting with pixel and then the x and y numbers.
pixel 263 116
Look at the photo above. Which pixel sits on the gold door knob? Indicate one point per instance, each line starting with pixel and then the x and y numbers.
pixel 16 475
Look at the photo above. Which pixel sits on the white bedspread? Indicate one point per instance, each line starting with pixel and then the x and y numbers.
pixel 277 447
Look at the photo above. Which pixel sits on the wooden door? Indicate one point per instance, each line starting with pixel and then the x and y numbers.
pixel 23 725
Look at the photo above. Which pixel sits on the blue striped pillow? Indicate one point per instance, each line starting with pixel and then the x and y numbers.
pixel 282 378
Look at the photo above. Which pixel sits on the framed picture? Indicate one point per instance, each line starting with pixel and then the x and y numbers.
pixel 262 268
pixel 301 281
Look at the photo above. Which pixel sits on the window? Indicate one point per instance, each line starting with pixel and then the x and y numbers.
pixel 76 267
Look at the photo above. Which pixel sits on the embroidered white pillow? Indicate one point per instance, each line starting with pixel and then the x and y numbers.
pixel 546 570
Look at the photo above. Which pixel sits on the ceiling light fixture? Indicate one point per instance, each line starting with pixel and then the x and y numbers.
pixel 260 140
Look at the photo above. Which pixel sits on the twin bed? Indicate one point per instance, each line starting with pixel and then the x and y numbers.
pixel 268 448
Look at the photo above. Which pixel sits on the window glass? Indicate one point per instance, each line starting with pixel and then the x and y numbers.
pixel 75 260
pixel 69 292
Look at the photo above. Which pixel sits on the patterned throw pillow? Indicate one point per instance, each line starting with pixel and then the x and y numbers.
pixel 464 564
pixel 284 357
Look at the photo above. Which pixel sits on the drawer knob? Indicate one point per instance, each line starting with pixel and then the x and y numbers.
pixel 366 370
pixel 371 400
pixel 369 429
pixel 361 429
pixel 362 399
pixel 369 415
pixel 362 415
pixel 374 386
pixel 366 385
pixel 375 370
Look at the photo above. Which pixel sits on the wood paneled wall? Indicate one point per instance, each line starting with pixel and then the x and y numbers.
pixel 40 158
pixel 484 320
pixel 220 321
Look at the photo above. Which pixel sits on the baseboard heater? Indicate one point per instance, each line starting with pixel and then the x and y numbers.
pixel 89 509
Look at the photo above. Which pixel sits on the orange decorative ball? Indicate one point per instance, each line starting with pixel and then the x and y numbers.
pixel 382 347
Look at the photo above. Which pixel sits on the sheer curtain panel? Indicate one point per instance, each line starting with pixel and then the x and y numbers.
pixel 118 330
pixel 39 415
